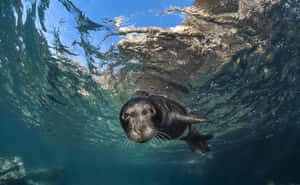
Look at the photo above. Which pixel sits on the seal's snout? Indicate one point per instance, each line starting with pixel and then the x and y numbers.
pixel 141 134
pixel 140 140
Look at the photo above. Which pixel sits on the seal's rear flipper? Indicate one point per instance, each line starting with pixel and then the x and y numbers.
pixel 189 118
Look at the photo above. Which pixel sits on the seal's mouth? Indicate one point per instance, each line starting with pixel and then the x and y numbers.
pixel 141 136
pixel 141 141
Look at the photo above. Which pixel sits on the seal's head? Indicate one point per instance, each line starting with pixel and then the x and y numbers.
pixel 137 118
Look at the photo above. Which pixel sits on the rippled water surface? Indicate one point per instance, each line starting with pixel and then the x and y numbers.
pixel 67 67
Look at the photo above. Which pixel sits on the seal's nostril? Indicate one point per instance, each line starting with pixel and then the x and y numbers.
pixel 142 127
pixel 136 129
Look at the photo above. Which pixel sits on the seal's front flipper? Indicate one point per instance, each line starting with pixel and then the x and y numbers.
pixel 189 119
pixel 198 144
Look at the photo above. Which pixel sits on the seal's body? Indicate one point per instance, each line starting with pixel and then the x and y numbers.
pixel 143 118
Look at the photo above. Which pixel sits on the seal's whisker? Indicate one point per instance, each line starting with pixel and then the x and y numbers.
pixel 123 145
pixel 153 141
pixel 158 139
pixel 161 140
pixel 129 145
pixel 126 145
pixel 132 145
pixel 163 134
pixel 160 136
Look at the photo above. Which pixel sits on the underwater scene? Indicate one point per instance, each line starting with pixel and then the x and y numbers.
pixel 160 92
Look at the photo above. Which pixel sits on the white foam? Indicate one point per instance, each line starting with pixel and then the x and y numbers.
pixel 20 39
pixel 27 4
pixel 16 15
pixel 37 20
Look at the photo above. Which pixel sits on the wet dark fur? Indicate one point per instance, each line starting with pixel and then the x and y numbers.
pixel 164 121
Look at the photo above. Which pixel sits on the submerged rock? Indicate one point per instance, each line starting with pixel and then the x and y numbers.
pixel 12 170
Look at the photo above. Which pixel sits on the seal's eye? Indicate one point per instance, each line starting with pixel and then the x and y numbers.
pixel 152 111
pixel 125 116
pixel 144 112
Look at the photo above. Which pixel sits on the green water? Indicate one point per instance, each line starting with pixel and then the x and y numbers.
pixel 58 111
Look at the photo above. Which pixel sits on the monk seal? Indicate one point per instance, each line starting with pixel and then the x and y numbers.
pixel 148 116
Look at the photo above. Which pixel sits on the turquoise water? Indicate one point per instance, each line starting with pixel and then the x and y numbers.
pixel 63 81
